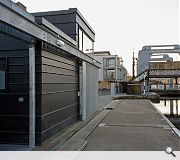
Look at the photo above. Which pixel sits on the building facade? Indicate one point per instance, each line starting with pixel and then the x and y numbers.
pixel 73 24
pixel 112 69
pixel 158 69
pixel 44 74
pixel 153 54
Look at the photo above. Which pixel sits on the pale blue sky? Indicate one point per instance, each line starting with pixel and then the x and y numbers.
pixel 122 25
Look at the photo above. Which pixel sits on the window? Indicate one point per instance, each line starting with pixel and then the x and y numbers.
pixel 87 44
pixel 2 75
pixel 110 74
pixel 84 42
pixel 111 62
pixel 80 40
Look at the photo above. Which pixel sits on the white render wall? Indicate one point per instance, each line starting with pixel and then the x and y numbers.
pixel 91 89
pixel 88 90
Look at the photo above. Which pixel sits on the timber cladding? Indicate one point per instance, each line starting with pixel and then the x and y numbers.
pixel 165 65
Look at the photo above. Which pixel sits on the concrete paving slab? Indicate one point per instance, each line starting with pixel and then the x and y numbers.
pixel 78 141
pixel 134 125
pixel 117 138
pixel 135 112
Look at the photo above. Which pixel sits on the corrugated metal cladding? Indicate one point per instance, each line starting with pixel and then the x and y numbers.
pixel 57 86
pixel 14 103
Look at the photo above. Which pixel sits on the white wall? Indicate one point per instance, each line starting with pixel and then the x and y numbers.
pixel 91 89
pixel 88 90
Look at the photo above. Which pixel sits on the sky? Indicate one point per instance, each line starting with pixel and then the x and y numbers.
pixel 122 26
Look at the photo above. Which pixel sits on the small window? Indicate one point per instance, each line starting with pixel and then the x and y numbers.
pixel 2 75
pixel 80 40
pixel 111 62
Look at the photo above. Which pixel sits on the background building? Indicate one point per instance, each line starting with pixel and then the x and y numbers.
pixel 112 70
pixel 158 69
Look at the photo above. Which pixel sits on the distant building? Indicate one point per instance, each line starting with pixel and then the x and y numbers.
pixel 155 53
pixel 112 69
pixel 157 70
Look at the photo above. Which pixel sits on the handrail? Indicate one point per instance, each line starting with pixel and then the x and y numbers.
pixel 141 75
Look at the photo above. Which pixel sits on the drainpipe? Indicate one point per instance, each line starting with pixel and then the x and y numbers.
pixel 31 96
pixel 116 71
pixel 83 90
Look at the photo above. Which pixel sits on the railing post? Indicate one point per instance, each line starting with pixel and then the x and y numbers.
pixel 148 81
pixel 144 83
pixel 171 107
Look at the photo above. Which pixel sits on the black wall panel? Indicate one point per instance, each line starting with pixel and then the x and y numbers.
pixel 14 102
pixel 65 22
pixel 68 28
pixel 68 21
pixel 57 86
pixel 15 137
pixel 58 18
pixel 10 105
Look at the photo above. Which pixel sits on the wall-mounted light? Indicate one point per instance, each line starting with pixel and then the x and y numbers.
pixel 59 42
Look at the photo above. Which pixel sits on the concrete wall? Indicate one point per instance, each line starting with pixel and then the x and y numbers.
pixel 143 61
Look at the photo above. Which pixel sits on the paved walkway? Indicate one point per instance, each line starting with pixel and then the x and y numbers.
pixel 133 125
pixel 124 125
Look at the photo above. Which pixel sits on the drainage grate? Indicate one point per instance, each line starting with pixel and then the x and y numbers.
pixel 102 125
pixel 108 108
pixel 166 127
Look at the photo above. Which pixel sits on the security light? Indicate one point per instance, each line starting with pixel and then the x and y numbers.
pixel 59 42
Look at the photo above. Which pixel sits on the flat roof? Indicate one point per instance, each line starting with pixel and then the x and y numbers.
pixel 68 11
pixel 102 52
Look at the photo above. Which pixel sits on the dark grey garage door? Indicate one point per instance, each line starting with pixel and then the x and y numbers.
pixel 60 86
